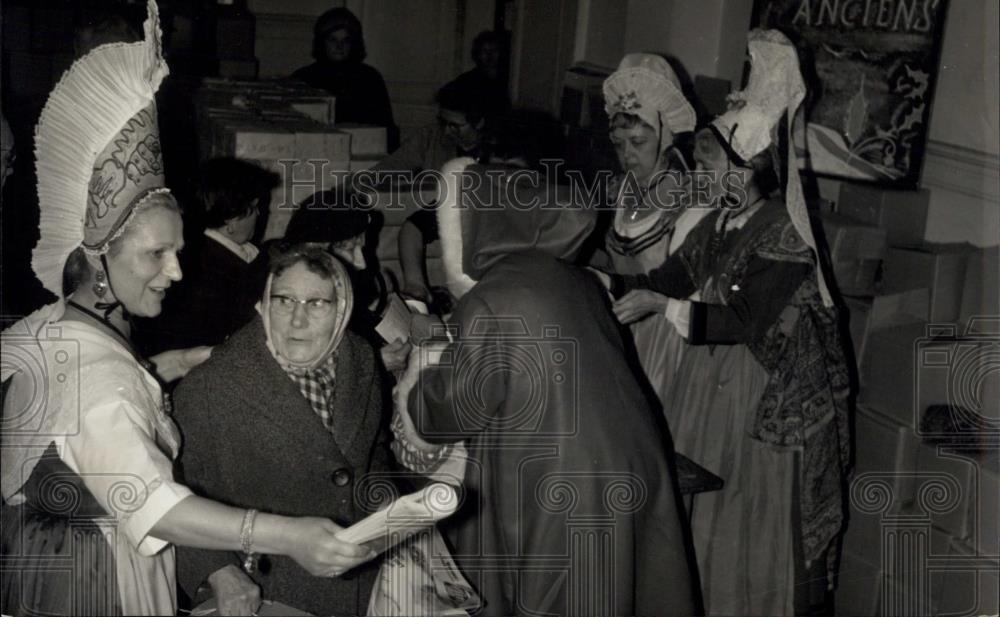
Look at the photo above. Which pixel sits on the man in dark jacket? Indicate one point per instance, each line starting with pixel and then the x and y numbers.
pixel 571 504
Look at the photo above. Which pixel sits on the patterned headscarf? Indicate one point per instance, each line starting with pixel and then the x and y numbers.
pixel 644 85
pixel 316 380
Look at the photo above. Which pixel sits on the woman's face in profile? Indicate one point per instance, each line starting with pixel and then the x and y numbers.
pixel 146 263
pixel 338 45
pixel 302 334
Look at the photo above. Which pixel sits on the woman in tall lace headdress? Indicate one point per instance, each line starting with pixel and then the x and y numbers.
pixel 91 510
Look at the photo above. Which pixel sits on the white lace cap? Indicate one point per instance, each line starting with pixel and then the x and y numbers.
pixel 775 88
pixel 646 86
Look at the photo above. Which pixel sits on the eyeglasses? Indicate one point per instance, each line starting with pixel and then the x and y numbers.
pixel 316 308
pixel 449 124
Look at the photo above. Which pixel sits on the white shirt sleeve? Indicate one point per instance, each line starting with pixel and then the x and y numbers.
pixel 116 454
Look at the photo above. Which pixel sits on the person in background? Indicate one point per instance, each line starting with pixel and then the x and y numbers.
pixel 339 50
pixel 486 80
pixel 762 393
pixel 289 413
pixel 224 270
pixel 464 128
pixel 88 442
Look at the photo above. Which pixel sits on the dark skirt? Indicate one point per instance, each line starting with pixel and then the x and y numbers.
pixel 54 558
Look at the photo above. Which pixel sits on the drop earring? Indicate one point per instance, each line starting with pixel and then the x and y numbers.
pixel 100 286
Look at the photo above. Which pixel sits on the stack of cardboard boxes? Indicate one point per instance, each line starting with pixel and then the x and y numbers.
pixel 291 129
pixel 926 330
pixel 287 128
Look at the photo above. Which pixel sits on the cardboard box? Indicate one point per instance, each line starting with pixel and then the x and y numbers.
pixel 859 583
pixel 983 530
pixel 238 68
pixel 902 214
pixel 849 239
pixel 859 312
pixel 858 277
pixel 317 142
pixel 970 590
pixel 907 307
pixel 948 471
pixel 259 142
pixel 890 358
pixel 940 268
pixel 884 445
pixel 867 315
pixel 910 367
pixel 367 141
pixel 320 109
pixel 981 291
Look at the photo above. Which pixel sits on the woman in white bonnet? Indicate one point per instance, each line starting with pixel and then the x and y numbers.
pixel 761 398
pixel 647 113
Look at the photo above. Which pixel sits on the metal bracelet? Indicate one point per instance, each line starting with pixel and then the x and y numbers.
pixel 246 541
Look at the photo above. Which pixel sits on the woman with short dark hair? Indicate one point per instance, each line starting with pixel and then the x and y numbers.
pixel 339 50
pixel 224 271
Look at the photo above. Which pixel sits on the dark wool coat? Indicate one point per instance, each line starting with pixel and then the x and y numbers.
pixel 252 440
pixel 571 503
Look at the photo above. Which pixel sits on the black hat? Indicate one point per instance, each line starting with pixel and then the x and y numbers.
pixel 327 216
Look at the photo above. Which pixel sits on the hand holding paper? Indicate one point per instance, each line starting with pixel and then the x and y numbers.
pixel 404 517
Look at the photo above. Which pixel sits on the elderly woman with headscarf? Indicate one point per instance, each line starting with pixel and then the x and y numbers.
pixel 648 113
pixel 339 50
pixel 91 509
pixel 761 398
pixel 334 221
pixel 289 413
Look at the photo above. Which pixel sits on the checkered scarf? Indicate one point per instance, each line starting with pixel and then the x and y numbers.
pixel 317 386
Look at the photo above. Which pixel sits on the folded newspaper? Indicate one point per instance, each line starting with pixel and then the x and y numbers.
pixel 403 518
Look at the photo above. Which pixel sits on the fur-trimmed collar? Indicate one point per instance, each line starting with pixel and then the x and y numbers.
pixel 449 216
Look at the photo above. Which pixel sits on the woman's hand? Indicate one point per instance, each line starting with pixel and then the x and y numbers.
pixel 315 548
pixel 174 364
pixel 394 355
pixel 235 592
pixel 638 303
